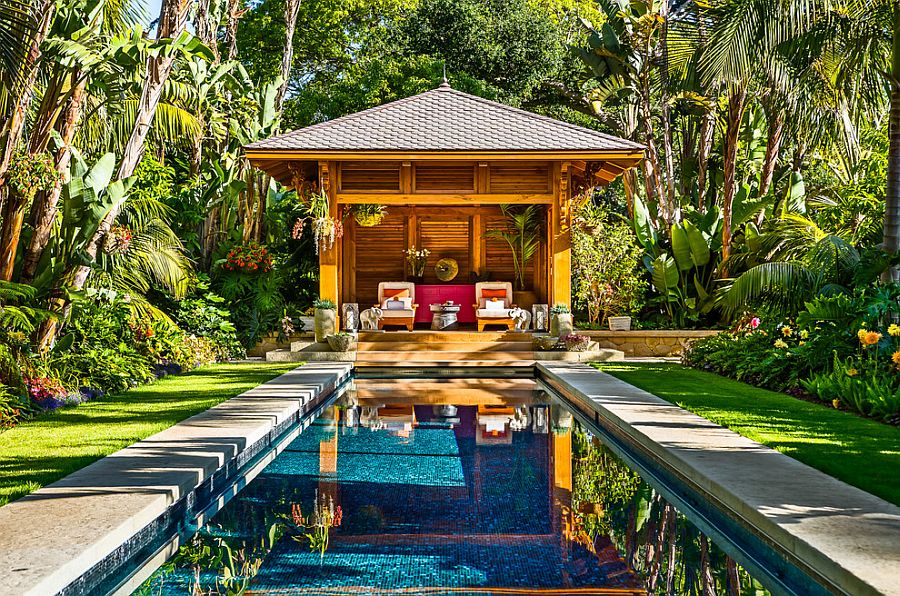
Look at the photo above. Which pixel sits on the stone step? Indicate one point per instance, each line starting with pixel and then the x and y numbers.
pixel 426 337
pixel 413 346
pixel 444 363
pixel 402 357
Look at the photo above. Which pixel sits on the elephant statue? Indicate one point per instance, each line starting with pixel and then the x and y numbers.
pixel 521 317
pixel 369 318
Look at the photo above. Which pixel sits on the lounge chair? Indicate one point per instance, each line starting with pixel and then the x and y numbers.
pixel 494 303
pixel 397 299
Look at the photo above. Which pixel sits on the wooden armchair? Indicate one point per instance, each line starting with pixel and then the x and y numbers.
pixel 397 300
pixel 493 292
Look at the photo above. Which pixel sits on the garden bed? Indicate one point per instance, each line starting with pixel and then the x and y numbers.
pixel 45 449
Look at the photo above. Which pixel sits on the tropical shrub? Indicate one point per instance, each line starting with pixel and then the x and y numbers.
pixel 253 293
pixel 13 409
pixel 606 262
pixel 202 314
pixel 106 357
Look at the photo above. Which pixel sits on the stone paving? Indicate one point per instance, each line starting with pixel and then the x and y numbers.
pixel 53 536
pixel 847 535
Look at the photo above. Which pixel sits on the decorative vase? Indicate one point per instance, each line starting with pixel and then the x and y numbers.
pixel 561 324
pixel 325 323
pixel 417 279
pixel 341 343
pixel 619 323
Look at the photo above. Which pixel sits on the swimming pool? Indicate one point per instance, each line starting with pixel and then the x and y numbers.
pixel 447 486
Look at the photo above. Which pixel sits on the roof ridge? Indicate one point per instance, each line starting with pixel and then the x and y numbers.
pixel 354 115
pixel 540 117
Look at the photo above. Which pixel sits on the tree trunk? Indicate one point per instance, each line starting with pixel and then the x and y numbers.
pixel 773 148
pixel 672 532
pixel 667 115
pixel 45 209
pixel 736 101
pixel 892 199
pixel 15 126
pixel 708 586
pixel 291 9
pixel 205 29
pixel 707 135
pixel 10 230
pixel 171 23
pixel 653 154
pixel 734 580
pixel 234 13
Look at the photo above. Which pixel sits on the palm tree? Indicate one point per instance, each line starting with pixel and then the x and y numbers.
pixel 797 261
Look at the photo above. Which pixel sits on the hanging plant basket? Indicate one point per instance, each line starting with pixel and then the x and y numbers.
pixel 368 220
pixel 369 216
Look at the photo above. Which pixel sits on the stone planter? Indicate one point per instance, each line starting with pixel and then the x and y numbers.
pixel 325 323
pixel 341 343
pixel 619 323
pixel 307 323
pixel 577 343
pixel 544 343
pixel 561 324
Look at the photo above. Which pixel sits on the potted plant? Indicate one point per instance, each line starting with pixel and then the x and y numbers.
pixel 560 320
pixel 325 319
pixel 576 342
pixel 416 259
pixel 369 215
pixel 523 235
pixel 341 341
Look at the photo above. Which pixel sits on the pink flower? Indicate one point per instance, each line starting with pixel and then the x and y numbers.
pixel 754 322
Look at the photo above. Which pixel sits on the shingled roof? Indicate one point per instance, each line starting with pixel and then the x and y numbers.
pixel 444 119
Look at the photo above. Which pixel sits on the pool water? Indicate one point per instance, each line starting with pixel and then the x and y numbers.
pixel 452 486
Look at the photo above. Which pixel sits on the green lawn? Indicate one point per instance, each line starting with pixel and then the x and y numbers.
pixel 51 446
pixel 860 452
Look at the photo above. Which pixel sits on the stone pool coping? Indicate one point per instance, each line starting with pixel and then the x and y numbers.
pixel 846 535
pixel 57 534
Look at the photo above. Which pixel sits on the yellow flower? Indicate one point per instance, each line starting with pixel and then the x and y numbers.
pixel 894 330
pixel 870 338
pixel 861 334
pixel 852 372
pixel 779 343
pixel 836 403
pixel 802 343
pixel 895 357
pixel 786 331
pixel 804 334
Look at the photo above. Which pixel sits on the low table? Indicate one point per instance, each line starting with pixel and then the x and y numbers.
pixel 444 318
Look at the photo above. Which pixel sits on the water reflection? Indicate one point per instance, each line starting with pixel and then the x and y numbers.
pixel 475 486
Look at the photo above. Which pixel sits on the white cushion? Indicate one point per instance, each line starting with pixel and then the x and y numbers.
pixel 397 304
pixel 495 305
pixel 484 313
pixel 389 314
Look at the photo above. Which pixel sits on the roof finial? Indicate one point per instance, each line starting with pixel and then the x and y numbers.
pixel 445 84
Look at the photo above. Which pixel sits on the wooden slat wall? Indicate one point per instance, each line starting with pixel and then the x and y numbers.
pixel 519 179
pixel 379 256
pixel 446 240
pixel 444 178
pixel 369 176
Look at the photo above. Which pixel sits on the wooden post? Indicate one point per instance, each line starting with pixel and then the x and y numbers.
pixel 561 238
pixel 329 260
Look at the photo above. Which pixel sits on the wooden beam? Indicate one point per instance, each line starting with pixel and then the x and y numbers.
pixel 561 238
pixel 444 199
pixel 329 260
